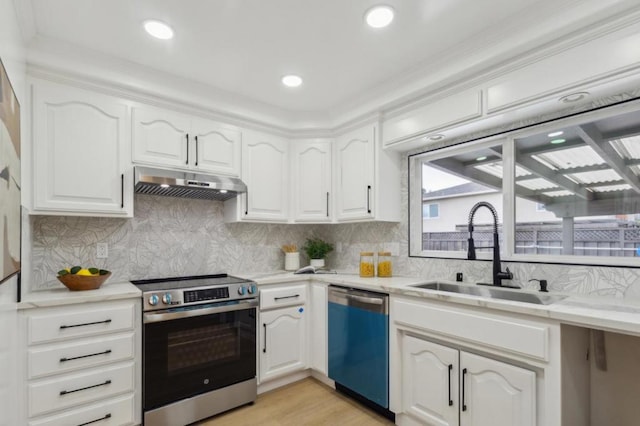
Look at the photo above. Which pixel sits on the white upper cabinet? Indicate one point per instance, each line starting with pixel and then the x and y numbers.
pixel 311 179
pixel 367 179
pixel 216 147
pixel 81 153
pixel 160 137
pixel 165 138
pixel 355 154
pixel 265 171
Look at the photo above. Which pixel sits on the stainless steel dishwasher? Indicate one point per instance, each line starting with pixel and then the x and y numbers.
pixel 359 344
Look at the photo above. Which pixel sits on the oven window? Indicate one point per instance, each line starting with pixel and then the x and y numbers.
pixel 188 349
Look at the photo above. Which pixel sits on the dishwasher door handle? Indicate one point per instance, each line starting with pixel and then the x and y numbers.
pixel 367 300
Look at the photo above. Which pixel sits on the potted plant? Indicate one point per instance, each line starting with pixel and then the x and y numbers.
pixel 316 250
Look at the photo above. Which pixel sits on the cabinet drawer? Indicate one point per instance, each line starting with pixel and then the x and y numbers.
pixel 60 358
pixel 71 390
pixel 79 321
pixel 283 296
pixel 501 332
pixel 114 412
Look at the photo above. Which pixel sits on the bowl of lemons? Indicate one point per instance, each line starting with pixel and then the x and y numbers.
pixel 78 278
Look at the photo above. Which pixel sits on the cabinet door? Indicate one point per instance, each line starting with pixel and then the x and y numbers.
pixel 355 175
pixel 312 181
pixel 81 153
pixel 161 138
pixel 429 382
pixel 283 347
pixel 265 170
pixel 495 393
pixel 319 326
pixel 216 148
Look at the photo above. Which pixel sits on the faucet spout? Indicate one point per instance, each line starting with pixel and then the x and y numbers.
pixel 497 274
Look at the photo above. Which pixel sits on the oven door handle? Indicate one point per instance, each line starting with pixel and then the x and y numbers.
pixel 167 315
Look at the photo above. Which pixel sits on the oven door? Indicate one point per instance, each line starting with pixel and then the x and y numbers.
pixel 193 350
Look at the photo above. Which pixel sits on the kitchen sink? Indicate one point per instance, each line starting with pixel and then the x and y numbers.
pixel 492 293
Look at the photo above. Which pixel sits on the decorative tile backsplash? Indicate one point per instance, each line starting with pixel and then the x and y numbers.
pixel 172 237
pixel 167 237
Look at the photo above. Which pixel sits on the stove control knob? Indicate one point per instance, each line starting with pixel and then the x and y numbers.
pixel 241 290
pixel 153 299
pixel 252 289
pixel 166 298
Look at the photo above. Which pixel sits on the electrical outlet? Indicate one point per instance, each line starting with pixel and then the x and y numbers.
pixel 102 250
pixel 458 276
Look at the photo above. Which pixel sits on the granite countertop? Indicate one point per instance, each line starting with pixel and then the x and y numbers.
pixel 610 314
pixel 63 296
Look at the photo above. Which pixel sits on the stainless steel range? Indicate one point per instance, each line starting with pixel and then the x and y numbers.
pixel 199 347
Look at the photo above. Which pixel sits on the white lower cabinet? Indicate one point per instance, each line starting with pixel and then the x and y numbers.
pixel 444 386
pixel 82 364
pixel 283 344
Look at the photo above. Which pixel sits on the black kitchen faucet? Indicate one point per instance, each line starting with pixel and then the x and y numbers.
pixel 498 275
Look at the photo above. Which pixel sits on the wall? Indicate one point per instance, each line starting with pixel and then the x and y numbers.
pixel 12 54
pixel 167 237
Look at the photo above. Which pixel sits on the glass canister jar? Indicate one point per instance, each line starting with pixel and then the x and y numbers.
pixel 385 266
pixel 367 268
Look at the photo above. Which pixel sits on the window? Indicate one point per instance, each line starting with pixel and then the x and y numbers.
pixel 573 198
pixel 452 182
pixel 430 211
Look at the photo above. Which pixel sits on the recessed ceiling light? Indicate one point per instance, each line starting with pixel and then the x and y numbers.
pixel 554 134
pixel 574 97
pixel 164 185
pixel 158 29
pixel 223 191
pixel 292 80
pixel 558 141
pixel 481 158
pixel 379 16
pixel 436 137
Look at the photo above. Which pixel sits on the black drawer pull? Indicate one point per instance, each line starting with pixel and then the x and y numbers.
pixel 464 402
pixel 264 348
pixel 122 191
pixel 187 162
pixel 65 359
pixel 450 400
pixel 62 327
pixel 368 198
pixel 64 392
pixel 196 150
pixel 106 416
pixel 286 297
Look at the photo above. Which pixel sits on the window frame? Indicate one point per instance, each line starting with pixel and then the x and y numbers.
pixel 508 141
pixel 429 205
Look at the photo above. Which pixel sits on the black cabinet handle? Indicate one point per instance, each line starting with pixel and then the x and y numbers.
pixel 450 400
pixel 196 150
pixel 286 297
pixel 106 416
pixel 368 198
pixel 246 205
pixel 65 359
pixel 62 327
pixel 187 163
pixel 327 204
pixel 264 348
pixel 464 405
pixel 122 191
pixel 106 382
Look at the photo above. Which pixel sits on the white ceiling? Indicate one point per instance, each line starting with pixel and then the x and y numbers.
pixel 244 46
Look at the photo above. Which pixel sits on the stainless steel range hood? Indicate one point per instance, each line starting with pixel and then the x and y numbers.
pixel 153 181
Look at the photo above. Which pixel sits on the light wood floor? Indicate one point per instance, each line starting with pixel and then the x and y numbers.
pixel 307 402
